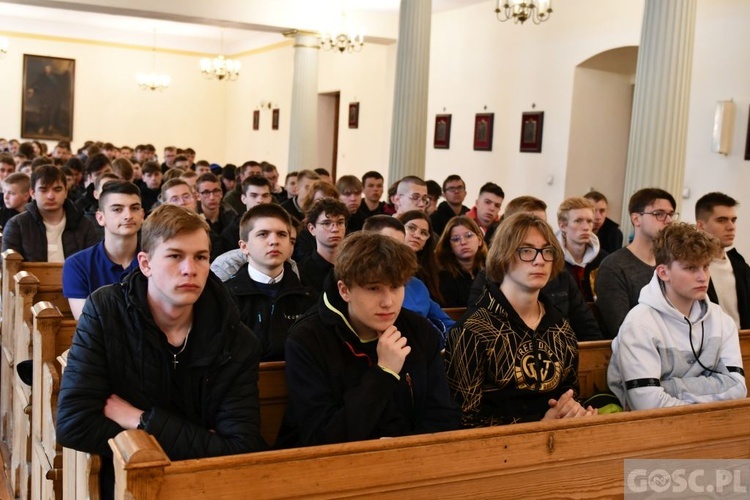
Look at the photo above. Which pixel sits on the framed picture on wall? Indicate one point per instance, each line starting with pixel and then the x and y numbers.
pixel 353 115
pixel 256 119
pixel 483 131
pixel 747 140
pixel 442 132
pixel 275 119
pixel 47 98
pixel 532 125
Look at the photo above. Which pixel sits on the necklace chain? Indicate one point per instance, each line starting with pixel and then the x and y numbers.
pixel 184 345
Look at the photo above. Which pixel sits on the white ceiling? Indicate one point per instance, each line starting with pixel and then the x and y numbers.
pixel 196 25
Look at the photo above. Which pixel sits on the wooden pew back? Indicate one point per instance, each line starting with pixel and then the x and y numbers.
pixel 52 335
pixel 580 457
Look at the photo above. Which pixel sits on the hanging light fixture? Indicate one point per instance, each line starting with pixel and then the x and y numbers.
pixel 153 80
pixel 339 39
pixel 3 46
pixel 220 67
pixel 522 10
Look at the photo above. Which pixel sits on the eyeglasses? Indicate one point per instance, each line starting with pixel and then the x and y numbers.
pixel 528 254
pixel 661 215
pixel 210 192
pixel 468 236
pixel 455 189
pixel 413 230
pixel 418 198
pixel 187 197
pixel 329 224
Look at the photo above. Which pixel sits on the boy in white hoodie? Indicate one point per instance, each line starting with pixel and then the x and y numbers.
pixel 676 347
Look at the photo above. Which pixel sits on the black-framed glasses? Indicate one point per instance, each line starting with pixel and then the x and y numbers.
pixel 455 189
pixel 467 236
pixel 414 230
pixel 528 254
pixel 329 224
pixel 210 192
pixel 661 215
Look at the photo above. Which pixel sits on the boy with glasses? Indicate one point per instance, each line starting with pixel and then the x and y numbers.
pixel 676 347
pixel 623 273
pixel 178 192
pixel 210 195
pixel 454 192
pixel 411 194
pixel 326 221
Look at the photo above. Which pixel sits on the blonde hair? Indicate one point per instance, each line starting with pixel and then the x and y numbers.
pixel 166 222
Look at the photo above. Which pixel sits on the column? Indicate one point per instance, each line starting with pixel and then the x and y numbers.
pixel 658 129
pixel 303 125
pixel 409 126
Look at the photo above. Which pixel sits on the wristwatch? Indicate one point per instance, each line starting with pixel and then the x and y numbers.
pixel 142 421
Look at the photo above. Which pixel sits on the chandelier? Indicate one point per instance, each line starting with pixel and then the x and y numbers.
pixel 522 10
pixel 339 39
pixel 153 80
pixel 220 67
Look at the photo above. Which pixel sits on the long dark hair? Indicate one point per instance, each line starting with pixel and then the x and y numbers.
pixel 428 267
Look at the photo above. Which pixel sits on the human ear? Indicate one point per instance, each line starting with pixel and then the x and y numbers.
pixel 144 264
pixel 662 272
pixel 343 291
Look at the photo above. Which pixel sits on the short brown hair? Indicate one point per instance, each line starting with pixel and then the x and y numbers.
pixel 123 168
pixel 263 211
pixel 524 204
pixel 348 184
pixel 573 203
pixel 685 243
pixel 166 222
pixel 510 235
pixel 365 258
pixel 324 187
pixel 19 179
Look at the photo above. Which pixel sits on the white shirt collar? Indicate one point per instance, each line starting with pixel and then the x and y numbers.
pixel 260 277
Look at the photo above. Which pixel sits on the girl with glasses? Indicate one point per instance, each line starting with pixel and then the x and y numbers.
pixel 461 253
pixel 513 357
pixel 420 238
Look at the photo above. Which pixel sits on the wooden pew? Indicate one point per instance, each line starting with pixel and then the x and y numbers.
pixel 52 335
pixel 576 457
pixel 37 281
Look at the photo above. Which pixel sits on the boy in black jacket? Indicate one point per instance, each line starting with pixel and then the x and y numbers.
pixel 359 366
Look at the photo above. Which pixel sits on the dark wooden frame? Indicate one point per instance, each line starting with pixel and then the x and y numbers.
pixel 747 140
pixel 353 115
pixel 483 131
pixel 47 98
pixel 442 132
pixel 532 127
pixel 275 119
pixel 256 119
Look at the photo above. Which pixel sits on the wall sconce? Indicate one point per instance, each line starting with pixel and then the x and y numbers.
pixel 723 125
pixel 267 105
pixel 3 46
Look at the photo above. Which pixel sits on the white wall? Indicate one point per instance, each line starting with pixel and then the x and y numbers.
pixel 477 61
pixel 720 72
pixel 109 106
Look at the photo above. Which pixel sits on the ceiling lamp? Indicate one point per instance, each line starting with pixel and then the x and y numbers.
pixel 339 39
pixel 220 67
pixel 3 46
pixel 153 80
pixel 522 10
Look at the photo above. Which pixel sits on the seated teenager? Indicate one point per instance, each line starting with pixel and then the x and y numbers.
pixel 421 239
pixel 255 190
pixel 268 293
pixel 676 347
pixel 305 246
pixel 99 184
pixel 416 297
pixel 15 196
pixel 164 351
pixel 151 185
pixel 51 228
pixel 607 230
pixel 350 194
pixel 513 357
pixel 359 366
pixel 461 253
pixel 327 223
pixel 575 218
pixel 121 215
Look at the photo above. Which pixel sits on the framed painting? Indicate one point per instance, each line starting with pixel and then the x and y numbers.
pixel 275 119
pixel 47 98
pixel 442 132
pixel 532 126
pixel 256 119
pixel 353 115
pixel 747 140
pixel 483 131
